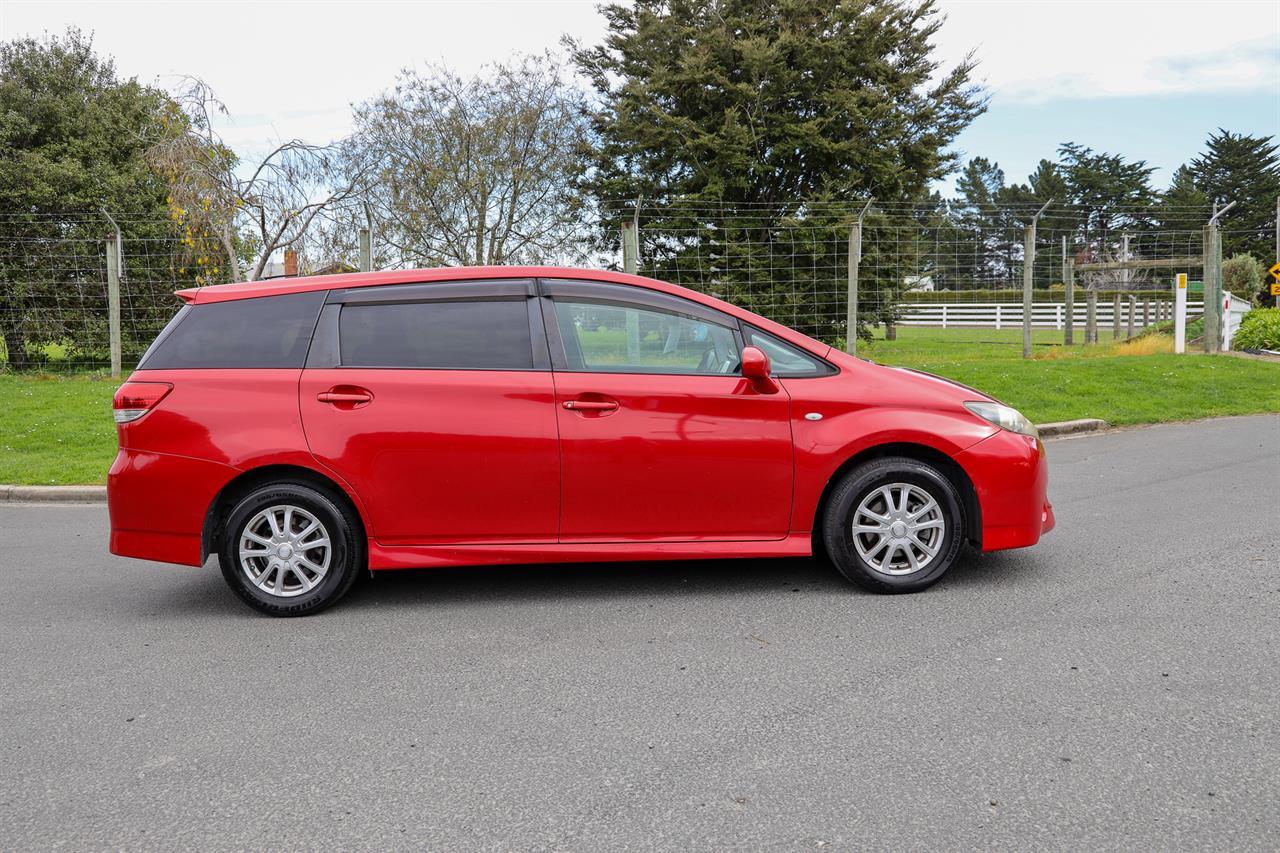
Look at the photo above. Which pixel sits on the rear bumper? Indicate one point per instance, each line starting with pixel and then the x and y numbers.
pixel 1011 476
pixel 157 503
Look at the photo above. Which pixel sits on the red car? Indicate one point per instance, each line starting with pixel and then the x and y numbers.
pixel 308 429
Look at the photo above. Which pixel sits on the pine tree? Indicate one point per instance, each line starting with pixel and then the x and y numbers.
pixel 1244 169
pixel 765 106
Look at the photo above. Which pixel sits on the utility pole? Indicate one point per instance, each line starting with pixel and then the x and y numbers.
pixel 1277 254
pixel 1028 277
pixel 855 261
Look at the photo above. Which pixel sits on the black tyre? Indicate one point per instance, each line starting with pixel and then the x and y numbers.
pixel 289 549
pixel 894 525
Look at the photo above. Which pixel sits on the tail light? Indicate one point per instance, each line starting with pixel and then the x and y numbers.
pixel 135 399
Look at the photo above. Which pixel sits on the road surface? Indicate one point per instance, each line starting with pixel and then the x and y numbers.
pixel 1116 687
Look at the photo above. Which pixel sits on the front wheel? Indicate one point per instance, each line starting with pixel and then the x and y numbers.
pixel 894 525
pixel 289 549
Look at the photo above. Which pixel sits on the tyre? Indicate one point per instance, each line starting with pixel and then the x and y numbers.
pixel 289 549
pixel 894 525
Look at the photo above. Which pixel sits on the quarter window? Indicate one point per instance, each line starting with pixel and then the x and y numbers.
pixel 611 338
pixel 267 331
pixel 477 335
pixel 785 359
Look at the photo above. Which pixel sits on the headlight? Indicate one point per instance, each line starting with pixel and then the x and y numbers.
pixel 1003 417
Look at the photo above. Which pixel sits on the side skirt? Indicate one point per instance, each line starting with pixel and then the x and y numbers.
pixel 431 556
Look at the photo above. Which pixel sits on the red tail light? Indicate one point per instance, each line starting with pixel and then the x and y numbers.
pixel 135 399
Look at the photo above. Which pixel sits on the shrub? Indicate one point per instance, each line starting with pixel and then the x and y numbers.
pixel 1242 276
pixel 1260 329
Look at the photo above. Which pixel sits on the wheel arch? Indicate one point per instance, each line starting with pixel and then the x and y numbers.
pixel 245 482
pixel 922 453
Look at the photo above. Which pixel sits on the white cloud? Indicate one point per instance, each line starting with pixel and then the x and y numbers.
pixel 1051 49
pixel 292 69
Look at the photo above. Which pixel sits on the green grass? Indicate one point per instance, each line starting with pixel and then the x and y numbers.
pixel 1062 383
pixel 55 430
pixel 58 429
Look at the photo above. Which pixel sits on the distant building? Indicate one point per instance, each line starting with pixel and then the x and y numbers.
pixel 918 283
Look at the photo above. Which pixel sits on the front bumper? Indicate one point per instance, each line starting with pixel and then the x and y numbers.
pixel 1011 477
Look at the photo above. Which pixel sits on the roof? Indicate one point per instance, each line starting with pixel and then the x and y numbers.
pixel 303 284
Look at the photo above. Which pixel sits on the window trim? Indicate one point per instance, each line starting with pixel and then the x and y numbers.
pixel 625 296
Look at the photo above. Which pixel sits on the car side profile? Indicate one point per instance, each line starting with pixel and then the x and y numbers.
pixel 309 429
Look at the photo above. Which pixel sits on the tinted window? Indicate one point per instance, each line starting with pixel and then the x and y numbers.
pixel 614 338
pixel 786 360
pixel 488 335
pixel 269 331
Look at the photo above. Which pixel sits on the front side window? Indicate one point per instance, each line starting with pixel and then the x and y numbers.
pixel 478 335
pixel 612 338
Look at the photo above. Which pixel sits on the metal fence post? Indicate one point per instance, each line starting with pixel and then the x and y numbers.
pixel 1091 316
pixel 855 262
pixel 113 304
pixel 1028 277
pixel 366 251
pixel 1211 298
pixel 1069 283
pixel 630 263
pixel 366 241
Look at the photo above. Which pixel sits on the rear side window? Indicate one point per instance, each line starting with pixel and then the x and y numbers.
pixel 475 335
pixel 268 331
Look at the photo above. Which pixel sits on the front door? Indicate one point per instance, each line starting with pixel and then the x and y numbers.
pixel 435 404
pixel 661 439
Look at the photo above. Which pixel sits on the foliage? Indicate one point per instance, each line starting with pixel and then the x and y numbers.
pixel 1243 276
pixel 274 202
pixel 473 170
pixel 753 113
pixel 72 143
pixel 1260 329
pixel 1244 169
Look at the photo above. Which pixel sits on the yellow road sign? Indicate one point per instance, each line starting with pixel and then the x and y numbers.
pixel 1275 271
pixel 1275 288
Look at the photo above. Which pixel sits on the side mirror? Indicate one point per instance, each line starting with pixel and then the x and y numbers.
pixel 755 367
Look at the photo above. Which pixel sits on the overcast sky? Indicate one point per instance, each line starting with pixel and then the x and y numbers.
pixel 1145 79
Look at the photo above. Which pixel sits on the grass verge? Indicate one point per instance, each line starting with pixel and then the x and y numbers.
pixel 57 430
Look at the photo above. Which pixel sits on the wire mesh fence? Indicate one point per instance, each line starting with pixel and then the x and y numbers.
pixel 944 273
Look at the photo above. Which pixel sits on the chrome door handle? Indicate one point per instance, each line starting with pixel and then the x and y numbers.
pixel 591 405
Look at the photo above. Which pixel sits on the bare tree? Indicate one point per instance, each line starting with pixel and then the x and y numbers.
pixel 272 201
pixel 474 170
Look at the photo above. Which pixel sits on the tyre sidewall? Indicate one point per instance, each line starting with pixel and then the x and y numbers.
pixel 838 526
pixel 345 561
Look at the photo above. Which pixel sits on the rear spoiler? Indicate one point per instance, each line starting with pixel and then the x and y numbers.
pixel 188 296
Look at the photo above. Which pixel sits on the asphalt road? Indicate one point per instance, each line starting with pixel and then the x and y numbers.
pixel 1116 687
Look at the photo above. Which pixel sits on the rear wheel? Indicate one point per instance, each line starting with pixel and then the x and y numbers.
pixel 289 549
pixel 894 525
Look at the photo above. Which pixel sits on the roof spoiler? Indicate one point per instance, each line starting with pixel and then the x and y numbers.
pixel 188 296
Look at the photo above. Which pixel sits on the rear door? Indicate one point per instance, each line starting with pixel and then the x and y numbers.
pixel 435 403
pixel 661 437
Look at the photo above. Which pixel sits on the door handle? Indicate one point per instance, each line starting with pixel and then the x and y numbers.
pixel 344 397
pixel 591 405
